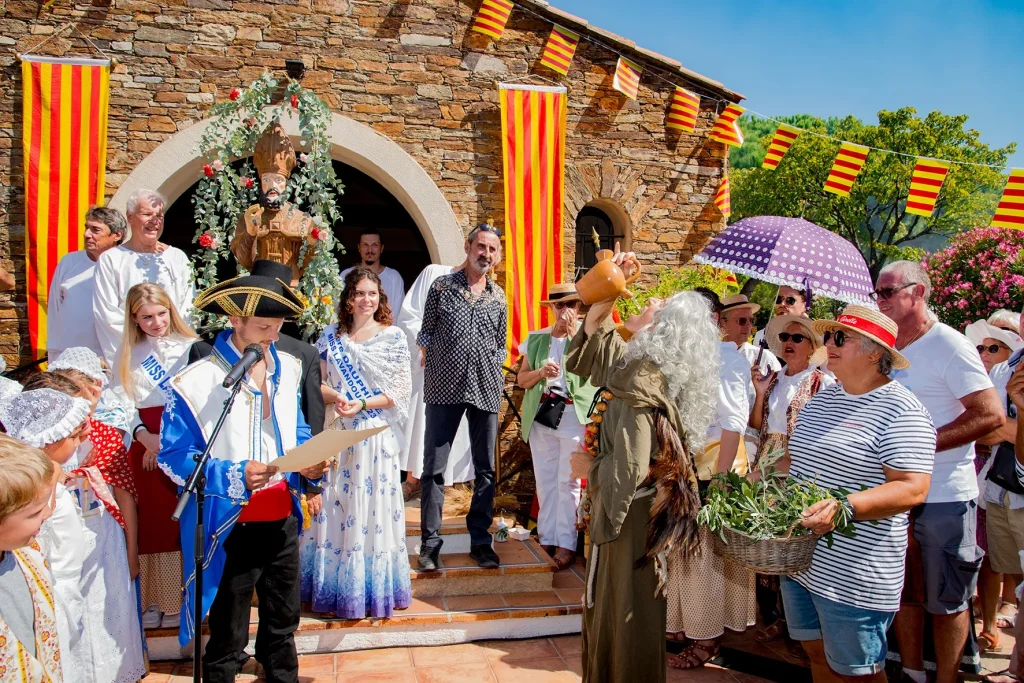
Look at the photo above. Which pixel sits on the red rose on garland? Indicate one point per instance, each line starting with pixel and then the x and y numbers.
pixel 234 94
pixel 295 101
pixel 206 240
pixel 248 182
pixel 315 233
pixel 208 170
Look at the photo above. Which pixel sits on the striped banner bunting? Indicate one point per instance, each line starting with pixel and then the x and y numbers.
pixel 1010 211
pixel 929 174
pixel 783 139
pixel 848 165
pixel 533 151
pixel 723 199
pixel 682 113
pixel 65 147
pixel 727 127
pixel 492 17
pixel 627 78
pixel 559 50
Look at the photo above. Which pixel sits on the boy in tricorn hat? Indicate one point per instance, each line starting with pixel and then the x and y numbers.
pixel 252 513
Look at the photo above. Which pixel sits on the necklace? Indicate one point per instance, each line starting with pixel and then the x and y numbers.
pixel 920 334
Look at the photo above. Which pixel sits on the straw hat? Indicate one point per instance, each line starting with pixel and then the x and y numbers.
pixel 869 323
pixel 779 324
pixel 563 292
pixel 980 330
pixel 739 301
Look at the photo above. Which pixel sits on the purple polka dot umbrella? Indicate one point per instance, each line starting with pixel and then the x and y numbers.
pixel 793 252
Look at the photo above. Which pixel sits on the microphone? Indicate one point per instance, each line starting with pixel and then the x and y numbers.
pixel 253 354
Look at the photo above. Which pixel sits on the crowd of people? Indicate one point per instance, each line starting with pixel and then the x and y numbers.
pixel 914 418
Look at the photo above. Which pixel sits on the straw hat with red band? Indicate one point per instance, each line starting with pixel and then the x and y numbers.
pixel 869 323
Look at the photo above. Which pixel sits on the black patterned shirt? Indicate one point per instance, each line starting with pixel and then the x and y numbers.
pixel 464 335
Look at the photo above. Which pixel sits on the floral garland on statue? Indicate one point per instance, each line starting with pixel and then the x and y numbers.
pixel 225 191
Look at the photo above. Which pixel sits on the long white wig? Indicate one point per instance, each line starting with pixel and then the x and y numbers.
pixel 683 342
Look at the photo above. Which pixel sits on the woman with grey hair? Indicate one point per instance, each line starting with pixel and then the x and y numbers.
pixel 656 400
pixel 1005 320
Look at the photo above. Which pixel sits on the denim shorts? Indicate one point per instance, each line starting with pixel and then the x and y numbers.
pixel 853 637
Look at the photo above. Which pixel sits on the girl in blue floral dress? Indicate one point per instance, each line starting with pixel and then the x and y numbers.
pixel 354 558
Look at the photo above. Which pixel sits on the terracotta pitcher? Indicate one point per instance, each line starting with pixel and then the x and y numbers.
pixel 606 280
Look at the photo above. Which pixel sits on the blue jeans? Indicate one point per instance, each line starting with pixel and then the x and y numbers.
pixel 853 637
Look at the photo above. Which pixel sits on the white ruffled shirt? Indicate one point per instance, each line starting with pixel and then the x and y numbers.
pixel 171 352
pixel 782 395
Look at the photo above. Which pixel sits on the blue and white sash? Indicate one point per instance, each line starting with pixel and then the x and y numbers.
pixel 355 387
pixel 157 374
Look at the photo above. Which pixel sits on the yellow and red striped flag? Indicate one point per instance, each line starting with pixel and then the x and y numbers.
pixel 783 139
pixel 848 165
pixel 627 78
pixel 1010 211
pixel 727 127
pixel 723 199
pixel 929 174
pixel 533 151
pixel 492 17
pixel 682 113
pixel 64 138
pixel 559 50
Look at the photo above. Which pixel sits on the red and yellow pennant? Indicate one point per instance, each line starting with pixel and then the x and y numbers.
pixel 627 78
pixel 727 127
pixel 848 165
pixel 1010 211
pixel 533 150
pixel 65 147
pixel 783 139
pixel 492 17
pixel 559 50
pixel 682 113
pixel 929 174
pixel 723 200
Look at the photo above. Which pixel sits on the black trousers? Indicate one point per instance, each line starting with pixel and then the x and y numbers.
pixel 442 423
pixel 263 556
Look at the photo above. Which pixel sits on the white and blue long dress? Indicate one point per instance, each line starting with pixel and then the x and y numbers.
pixel 354 558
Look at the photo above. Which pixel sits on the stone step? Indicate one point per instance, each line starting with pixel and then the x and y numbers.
pixel 454 535
pixel 525 567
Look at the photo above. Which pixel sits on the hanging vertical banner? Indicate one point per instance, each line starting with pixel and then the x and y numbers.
pixel 682 113
pixel 723 200
pixel 627 78
pixel 492 17
pixel 727 126
pixel 64 136
pixel 783 139
pixel 848 165
pixel 559 50
pixel 533 152
pixel 1010 211
pixel 929 174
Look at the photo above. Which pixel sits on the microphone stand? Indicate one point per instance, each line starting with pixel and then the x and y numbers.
pixel 196 484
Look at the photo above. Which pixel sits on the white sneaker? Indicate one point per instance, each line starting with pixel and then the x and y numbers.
pixel 151 617
pixel 171 620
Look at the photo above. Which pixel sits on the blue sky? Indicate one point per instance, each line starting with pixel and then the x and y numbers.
pixel 832 58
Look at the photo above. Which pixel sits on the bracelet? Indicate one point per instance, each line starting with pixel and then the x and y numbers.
pixel 362 402
pixel 136 431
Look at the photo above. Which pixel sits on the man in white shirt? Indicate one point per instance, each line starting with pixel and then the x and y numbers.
pixel 143 258
pixel 735 322
pixel 69 318
pixel 370 248
pixel 947 376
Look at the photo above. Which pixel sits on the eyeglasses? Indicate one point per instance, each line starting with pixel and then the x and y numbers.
pixel 559 305
pixel 788 300
pixel 887 292
pixel 838 338
pixel 797 338
pixel 992 348
pixel 744 321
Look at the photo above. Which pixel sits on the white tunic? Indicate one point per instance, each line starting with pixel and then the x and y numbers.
pixel 118 270
pixel 69 319
pixel 394 287
pixel 460 460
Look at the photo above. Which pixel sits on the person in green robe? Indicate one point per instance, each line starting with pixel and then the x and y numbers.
pixel 656 400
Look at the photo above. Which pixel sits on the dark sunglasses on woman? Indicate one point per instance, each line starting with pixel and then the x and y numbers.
pixel 838 338
pixel 789 300
pixel 991 348
pixel 797 338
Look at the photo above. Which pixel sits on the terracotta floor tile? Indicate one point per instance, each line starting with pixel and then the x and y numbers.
pixel 157 678
pixel 317 665
pixel 512 650
pixel 566 579
pixel 549 669
pixel 443 655
pixel 570 596
pixel 391 676
pixel 464 603
pixel 515 554
pixel 456 673
pixel 534 599
pixel 456 560
pixel 162 667
pixel 570 647
pixel 368 660
pixel 574 664
pixel 423 606
pixel 709 673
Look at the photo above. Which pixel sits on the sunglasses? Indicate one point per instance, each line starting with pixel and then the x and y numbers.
pixel 563 304
pixel 887 292
pixel 992 348
pixel 797 338
pixel 838 338
pixel 489 228
pixel 743 321
pixel 788 300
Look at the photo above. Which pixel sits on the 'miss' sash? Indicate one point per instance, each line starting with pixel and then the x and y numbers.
pixel 355 387
pixel 159 376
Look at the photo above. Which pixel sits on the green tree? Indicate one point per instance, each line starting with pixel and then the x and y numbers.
pixel 874 216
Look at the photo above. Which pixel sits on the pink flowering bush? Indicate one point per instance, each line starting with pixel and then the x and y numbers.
pixel 980 271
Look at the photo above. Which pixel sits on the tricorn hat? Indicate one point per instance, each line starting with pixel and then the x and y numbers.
pixel 274 152
pixel 263 293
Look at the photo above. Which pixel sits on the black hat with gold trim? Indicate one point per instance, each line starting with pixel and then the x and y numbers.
pixel 263 293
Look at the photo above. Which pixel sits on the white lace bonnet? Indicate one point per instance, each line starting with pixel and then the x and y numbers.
pixel 9 388
pixel 43 416
pixel 82 359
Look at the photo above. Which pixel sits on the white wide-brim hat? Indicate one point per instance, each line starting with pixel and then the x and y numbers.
pixel 779 324
pixel 980 330
pixel 870 323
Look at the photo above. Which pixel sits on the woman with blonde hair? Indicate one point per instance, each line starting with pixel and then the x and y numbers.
pixel 154 348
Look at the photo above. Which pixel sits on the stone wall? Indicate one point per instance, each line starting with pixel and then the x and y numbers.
pixel 410 69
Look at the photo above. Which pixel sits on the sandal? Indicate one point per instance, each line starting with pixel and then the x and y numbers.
pixel 563 558
pixel 695 655
pixel 410 490
pixel 770 632
pixel 988 641
pixel 1006 620
pixel 797 652
pixel 1003 676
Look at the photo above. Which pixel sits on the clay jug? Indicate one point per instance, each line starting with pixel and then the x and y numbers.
pixel 606 280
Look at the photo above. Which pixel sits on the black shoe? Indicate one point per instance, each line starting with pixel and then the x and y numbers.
pixel 485 556
pixel 428 560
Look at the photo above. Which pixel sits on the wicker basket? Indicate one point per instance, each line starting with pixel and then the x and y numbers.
pixel 785 556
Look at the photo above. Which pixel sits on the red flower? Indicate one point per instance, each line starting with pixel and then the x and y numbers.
pixel 234 94
pixel 248 182
pixel 315 233
pixel 295 101
pixel 208 170
pixel 206 240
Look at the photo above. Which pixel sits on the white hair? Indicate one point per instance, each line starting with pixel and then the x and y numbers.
pixel 683 342
pixel 155 198
pixel 910 272
pixel 1004 317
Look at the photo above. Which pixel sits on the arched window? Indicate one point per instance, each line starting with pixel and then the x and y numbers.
pixel 589 220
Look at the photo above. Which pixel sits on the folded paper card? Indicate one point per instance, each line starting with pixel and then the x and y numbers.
pixel 323 446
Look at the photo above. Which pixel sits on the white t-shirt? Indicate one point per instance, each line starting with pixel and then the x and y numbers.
pixel 1000 377
pixel 734 388
pixel 945 367
pixel 782 395
pixel 394 287
pixel 69 318
pixel 768 359
pixel 556 353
